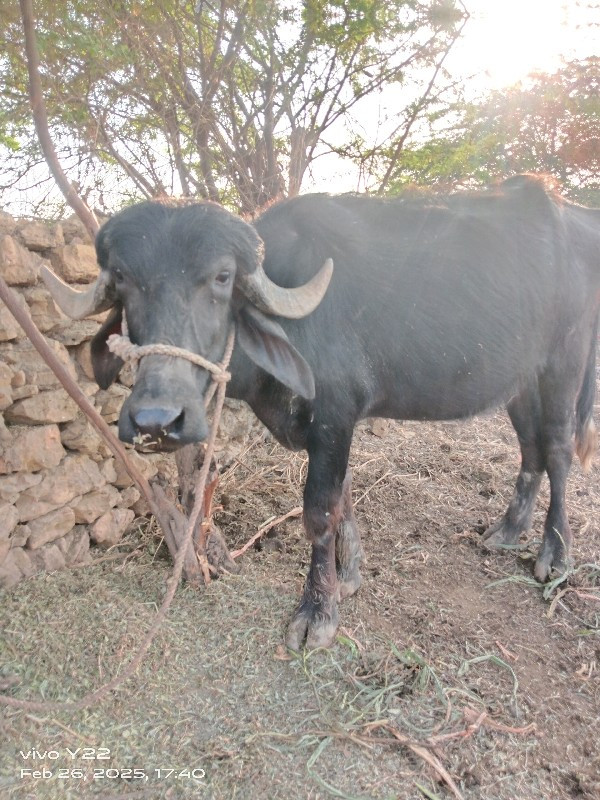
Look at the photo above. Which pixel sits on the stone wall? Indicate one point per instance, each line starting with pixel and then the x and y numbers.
pixel 60 486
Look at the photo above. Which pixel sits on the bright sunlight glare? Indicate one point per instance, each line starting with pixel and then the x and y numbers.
pixel 505 40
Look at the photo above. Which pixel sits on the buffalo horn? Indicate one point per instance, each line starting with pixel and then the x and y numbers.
pixel 291 303
pixel 76 304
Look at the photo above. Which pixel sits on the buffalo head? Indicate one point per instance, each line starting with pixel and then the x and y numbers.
pixel 183 275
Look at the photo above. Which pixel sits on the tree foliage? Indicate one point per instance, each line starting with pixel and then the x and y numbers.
pixel 549 123
pixel 225 99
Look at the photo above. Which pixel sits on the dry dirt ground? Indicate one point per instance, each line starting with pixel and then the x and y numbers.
pixel 448 658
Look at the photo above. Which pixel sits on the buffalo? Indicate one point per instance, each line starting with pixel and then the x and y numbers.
pixel 345 307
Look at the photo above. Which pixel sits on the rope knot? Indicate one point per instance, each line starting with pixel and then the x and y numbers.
pixel 222 377
pixel 123 347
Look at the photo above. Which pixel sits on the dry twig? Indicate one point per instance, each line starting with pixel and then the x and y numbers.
pixel 295 512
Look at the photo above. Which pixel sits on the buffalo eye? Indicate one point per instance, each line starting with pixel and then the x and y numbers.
pixel 223 277
pixel 118 275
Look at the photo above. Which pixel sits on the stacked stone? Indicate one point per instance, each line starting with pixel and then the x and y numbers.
pixel 60 486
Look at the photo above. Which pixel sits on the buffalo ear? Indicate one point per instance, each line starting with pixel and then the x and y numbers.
pixel 106 365
pixel 265 342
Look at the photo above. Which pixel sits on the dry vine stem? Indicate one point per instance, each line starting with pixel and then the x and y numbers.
pixel 168 516
pixel 178 535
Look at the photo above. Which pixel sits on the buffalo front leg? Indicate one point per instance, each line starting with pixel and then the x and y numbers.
pixel 315 619
pixel 348 548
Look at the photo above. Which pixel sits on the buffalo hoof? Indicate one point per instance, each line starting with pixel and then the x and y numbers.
pixel 348 584
pixel 548 560
pixel 312 631
pixel 500 535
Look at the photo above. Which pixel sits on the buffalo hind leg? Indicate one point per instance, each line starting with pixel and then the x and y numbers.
pixel 315 619
pixel 525 412
pixel 559 396
pixel 348 548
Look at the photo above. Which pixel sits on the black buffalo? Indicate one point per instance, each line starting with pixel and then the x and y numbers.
pixel 437 309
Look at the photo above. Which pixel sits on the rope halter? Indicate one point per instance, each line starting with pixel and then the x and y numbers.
pixel 122 346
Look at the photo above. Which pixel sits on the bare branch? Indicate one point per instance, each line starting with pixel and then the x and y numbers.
pixel 417 109
pixel 139 180
pixel 40 119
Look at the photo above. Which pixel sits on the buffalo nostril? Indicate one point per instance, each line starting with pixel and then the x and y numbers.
pixel 158 423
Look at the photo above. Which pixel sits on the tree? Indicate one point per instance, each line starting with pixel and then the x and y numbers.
pixel 548 124
pixel 228 100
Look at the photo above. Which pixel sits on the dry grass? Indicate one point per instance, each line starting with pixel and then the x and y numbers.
pixel 442 634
